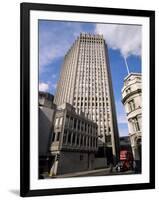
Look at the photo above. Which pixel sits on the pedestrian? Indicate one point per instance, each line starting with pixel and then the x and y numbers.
pixel 134 166
pixel 111 166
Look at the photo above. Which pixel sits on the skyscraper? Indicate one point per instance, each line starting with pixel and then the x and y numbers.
pixel 85 82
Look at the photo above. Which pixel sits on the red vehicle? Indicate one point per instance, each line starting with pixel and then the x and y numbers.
pixel 126 161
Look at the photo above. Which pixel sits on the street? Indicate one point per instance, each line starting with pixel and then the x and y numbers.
pixel 97 172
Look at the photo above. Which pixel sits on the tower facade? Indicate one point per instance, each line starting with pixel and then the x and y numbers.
pixel 85 82
pixel 132 101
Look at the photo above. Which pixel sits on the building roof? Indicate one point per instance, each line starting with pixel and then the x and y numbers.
pixel 132 74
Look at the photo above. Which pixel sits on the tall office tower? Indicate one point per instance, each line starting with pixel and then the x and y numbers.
pixel 85 82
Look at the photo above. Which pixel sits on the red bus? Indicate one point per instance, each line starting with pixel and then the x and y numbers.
pixel 126 161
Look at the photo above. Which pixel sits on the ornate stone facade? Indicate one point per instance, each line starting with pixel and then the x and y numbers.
pixel 132 101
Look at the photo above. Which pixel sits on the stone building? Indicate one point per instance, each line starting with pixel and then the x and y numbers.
pixel 67 138
pixel 74 141
pixel 85 82
pixel 46 115
pixel 132 101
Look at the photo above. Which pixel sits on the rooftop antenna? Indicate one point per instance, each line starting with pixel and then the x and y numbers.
pixel 126 65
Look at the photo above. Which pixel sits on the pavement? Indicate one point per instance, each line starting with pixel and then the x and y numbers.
pixel 96 172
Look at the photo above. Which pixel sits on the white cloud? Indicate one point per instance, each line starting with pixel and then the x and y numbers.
pixel 49 49
pixel 54 41
pixel 43 87
pixel 126 38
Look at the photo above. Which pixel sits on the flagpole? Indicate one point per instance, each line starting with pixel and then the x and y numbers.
pixel 126 65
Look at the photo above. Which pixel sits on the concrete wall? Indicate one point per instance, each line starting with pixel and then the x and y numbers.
pixel 73 162
pixel 100 163
pixel 45 124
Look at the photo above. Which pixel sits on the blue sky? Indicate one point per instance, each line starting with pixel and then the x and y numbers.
pixel 56 37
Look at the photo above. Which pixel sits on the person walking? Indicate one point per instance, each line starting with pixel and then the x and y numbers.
pixel 111 165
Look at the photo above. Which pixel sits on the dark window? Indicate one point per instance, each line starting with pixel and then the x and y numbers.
pixel 82 126
pixel 85 127
pixel 109 129
pixel 108 138
pixel 131 105
pixel 67 120
pixel 64 136
pixel 58 136
pixel 94 142
pixel 71 122
pixel 73 138
pixel 53 136
pixel 88 129
pixel 77 139
pixel 81 141
pixel 85 140
pixel 75 123
pixel 69 137
pixel 79 125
